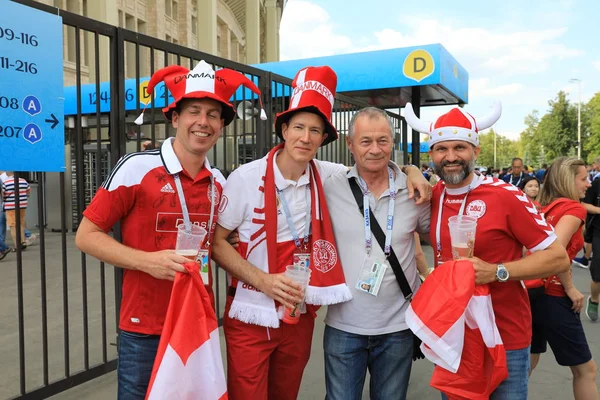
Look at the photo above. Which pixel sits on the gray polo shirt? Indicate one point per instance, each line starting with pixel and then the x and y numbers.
pixel 366 314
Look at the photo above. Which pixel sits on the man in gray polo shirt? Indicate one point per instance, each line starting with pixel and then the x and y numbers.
pixel 370 331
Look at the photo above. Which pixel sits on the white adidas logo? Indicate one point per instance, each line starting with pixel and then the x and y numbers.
pixel 167 189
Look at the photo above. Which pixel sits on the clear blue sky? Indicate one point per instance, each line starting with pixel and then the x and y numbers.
pixel 521 52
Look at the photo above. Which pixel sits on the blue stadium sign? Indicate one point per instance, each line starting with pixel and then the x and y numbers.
pixel 31 90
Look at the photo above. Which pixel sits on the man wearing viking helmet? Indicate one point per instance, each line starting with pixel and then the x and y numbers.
pixel 506 222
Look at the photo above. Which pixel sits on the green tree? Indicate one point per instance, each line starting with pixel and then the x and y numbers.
pixel 506 149
pixel 530 148
pixel 590 127
pixel 557 130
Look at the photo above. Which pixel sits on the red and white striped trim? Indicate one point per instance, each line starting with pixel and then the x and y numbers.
pixel 539 219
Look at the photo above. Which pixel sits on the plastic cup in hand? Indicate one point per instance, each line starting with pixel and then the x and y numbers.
pixel 462 235
pixel 301 275
pixel 189 241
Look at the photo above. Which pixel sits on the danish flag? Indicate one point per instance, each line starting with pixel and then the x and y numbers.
pixel 456 322
pixel 188 363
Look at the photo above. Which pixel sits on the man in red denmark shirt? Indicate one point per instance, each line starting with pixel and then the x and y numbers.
pixel 151 193
pixel 506 222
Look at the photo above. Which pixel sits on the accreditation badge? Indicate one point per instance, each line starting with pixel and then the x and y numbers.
pixel 202 260
pixel 371 275
pixel 301 259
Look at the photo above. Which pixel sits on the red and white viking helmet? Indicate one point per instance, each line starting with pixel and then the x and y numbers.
pixel 202 83
pixel 313 91
pixel 456 124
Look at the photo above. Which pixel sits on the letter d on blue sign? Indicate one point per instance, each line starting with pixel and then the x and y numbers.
pixel 32 133
pixel 31 105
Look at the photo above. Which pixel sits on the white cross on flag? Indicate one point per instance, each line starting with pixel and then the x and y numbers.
pixel 188 363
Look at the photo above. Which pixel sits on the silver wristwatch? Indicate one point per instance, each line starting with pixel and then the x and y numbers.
pixel 502 273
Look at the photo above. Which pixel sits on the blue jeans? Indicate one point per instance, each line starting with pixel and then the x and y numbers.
pixel 515 386
pixel 3 245
pixel 347 357
pixel 136 358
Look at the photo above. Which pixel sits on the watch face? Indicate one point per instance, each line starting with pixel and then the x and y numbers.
pixel 502 274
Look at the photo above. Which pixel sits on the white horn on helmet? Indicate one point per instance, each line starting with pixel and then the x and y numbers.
pixel 414 121
pixel 491 118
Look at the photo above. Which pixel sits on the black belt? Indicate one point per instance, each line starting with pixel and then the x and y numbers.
pixel 231 291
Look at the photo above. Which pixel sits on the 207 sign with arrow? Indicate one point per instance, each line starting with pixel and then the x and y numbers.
pixel 52 120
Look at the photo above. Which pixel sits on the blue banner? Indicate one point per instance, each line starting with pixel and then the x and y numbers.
pixel 136 96
pixel 31 90
pixel 395 68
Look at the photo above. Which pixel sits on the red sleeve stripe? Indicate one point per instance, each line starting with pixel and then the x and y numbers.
pixel 539 219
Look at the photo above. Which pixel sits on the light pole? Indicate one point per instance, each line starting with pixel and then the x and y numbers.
pixel 495 135
pixel 578 117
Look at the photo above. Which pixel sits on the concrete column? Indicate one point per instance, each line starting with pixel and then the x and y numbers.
pixel 105 11
pixel 226 45
pixel 272 31
pixel 207 26
pixel 252 31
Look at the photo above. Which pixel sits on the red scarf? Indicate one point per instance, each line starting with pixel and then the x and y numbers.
pixel 327 283
pixel 324 262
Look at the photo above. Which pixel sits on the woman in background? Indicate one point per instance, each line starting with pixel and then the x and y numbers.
pixel 531 187
pixel 556 311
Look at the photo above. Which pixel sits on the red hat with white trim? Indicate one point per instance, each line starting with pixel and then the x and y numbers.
pixel 314 92
pixel 201 83
pixel 456 124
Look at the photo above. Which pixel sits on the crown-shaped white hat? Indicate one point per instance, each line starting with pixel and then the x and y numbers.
pixel 456 124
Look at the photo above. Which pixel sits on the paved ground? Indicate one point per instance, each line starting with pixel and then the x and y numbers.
pixel 550 381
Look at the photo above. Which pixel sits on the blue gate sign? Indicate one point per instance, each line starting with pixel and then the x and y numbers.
pixel 32 134
pixel 31 105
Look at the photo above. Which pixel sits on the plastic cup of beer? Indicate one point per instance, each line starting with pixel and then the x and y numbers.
pixel 189 240
pixel 302 276
pixel 462 235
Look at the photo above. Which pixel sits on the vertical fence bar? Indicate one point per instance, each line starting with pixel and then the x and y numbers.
pixel 65 278
pixel 166 63
pixel 136 95
pixel 347 159
pixel 21 311
pixel 80 176
pixel 117 65
pixel 44 298
pixel 99 178
pixel 120 92
pixel 152 99
pixel 236 155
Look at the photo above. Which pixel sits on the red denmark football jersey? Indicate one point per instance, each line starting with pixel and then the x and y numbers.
pixel 553 212
pixel 141 193
pixel 507 222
